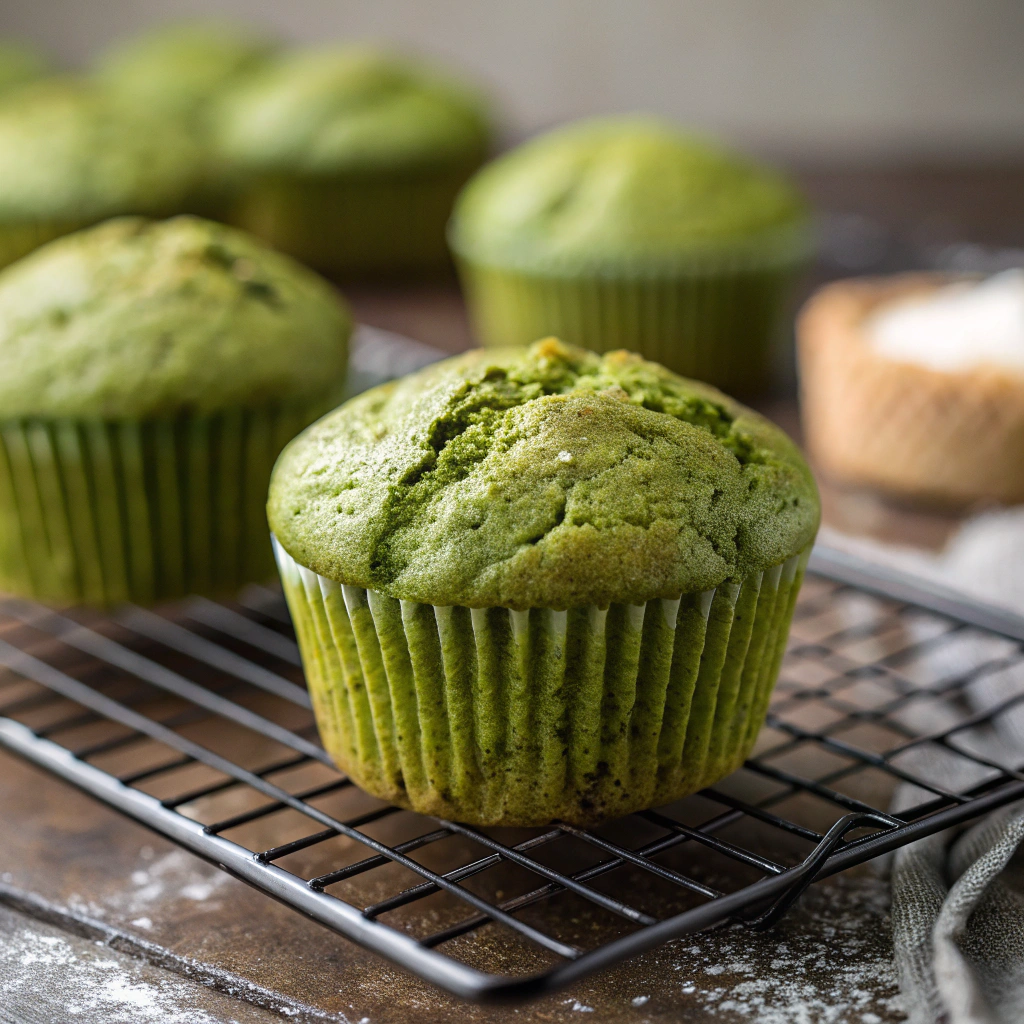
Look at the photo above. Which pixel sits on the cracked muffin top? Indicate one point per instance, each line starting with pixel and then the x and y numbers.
pixel 138 318
pixel 545 476
pixel 619 193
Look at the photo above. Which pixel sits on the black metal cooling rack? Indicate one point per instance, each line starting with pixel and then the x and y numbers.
pixel 192 721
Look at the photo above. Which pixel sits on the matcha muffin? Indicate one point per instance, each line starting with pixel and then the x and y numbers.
pixel 354 158
pixel 150 373
pixel 180 69
pixel 19 64
pixel 179 72
pixel 71 156
pixel 538 584
pixel 628 233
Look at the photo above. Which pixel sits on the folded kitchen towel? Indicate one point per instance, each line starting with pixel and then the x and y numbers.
pixel 958 924
pixel 958 897
pixel 984 558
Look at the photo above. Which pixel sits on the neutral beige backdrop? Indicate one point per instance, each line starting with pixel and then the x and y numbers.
pixel 847 79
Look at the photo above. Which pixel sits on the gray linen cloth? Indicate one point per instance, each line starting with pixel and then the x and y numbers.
pixel 958 897
pixel 958 924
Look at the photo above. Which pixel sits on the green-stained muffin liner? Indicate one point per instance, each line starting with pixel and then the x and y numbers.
pixel 717 321
pixel 492 716
pixel 355 225
pixel 17 240
pixel 102 512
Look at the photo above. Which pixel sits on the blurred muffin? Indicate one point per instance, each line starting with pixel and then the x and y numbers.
pixel 914 385
pixel 180 69
pixel 150 373
pixel 70 156
pixel 537 584
pixel 20 64
pixel 354 158
pixel 179 72
pixel 628 233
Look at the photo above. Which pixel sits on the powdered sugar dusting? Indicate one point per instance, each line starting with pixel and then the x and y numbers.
pixel 158 882
pixel 105 989
pixel 834 972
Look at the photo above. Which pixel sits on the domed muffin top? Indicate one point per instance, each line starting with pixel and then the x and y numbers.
pixel 625 192
pixel 19 64
pixel 180 67
pixel 541 477
pixel 348 110
pixel 70 151
pixel 138 318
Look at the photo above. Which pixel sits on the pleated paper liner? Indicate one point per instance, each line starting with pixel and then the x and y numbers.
pixel 489 716
pixel 356 225
pixel 718 324
pixel 100 512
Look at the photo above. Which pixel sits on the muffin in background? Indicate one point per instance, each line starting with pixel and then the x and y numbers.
pixel 179 72
pixel 181 68
pixel 914 385
pixel 71 156
pixel 20 64
pixel 538 584
pixel 353 158
pixel 627 232
pixel 150 373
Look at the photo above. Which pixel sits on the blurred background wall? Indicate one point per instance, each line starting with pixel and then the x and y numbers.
pixel 856 81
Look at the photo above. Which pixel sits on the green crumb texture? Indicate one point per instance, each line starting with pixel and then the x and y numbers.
pixel 180 68
pixel 542 477
pixel 139 319
pixel 626 193
pixel 351 110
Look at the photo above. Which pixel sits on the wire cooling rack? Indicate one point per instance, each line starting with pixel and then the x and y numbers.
pixel 192 720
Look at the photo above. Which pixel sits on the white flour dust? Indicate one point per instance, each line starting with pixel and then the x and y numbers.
pixel 828 962
pixel 833 972
pixel 157 884
pixel 96 987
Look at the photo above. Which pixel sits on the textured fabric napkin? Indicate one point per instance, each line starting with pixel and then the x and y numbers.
pixel 958 924
pixel 958 897
pixel 984 558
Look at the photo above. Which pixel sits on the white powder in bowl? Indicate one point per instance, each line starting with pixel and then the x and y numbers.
pixel 958 327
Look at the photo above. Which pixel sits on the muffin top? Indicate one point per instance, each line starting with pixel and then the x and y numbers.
pixel 350 110
pixel 70 152
pixel 625 192
pixel 545 476
pixel 181 67
pixel 19 64
pixel 138 318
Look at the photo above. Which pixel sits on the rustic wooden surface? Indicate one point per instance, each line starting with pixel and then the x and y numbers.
pixel 87 895
pixel 93 872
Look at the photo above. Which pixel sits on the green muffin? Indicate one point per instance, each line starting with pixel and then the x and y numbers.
pixel 180 69
pixel 19 65
pixel 150 373
pixel 538 584
pixel 71 156
pixel 179 72
pixel 354 158
pixel 628 233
